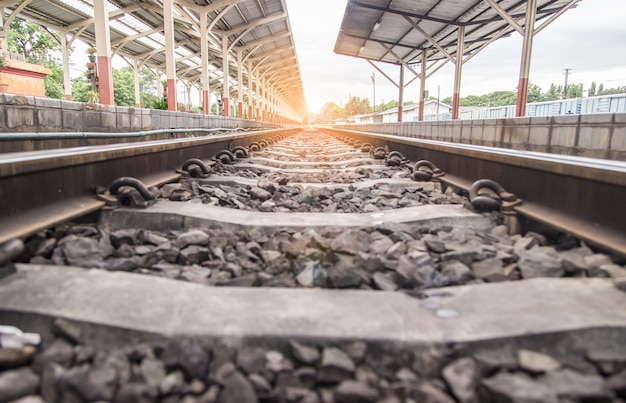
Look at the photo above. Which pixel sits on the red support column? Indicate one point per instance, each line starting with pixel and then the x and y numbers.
pixel 105 79
pixel 171 94
pixel 455 105
pixel 226 107
pixel 250 117
pixel 240 110
pixel 206 106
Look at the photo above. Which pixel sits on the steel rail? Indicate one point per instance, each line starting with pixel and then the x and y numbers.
pixel 580 196
pixel 41 188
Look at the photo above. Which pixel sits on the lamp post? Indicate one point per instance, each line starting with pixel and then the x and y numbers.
pixel 374 102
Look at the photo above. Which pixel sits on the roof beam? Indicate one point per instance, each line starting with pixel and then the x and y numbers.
pixel 256 23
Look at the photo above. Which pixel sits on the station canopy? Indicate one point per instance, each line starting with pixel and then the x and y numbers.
pixel 401 31
pixel 260 29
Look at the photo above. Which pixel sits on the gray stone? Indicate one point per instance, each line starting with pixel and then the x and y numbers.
pixel 383 281
pixel 350 391
pixel 596 260
pixel 517 387
pixel 608 361
pixel 336 366
pixel 276 362
pixel 18 383
pixel 30 399
pixel 237 388
pixel 251 359
pixel 426 392
pixel 188 355
pixel 456 272
pixel 152 238
pixel 136 393
pixel 524 244
pixel 97 383
pixel 256 193
pixel 342 276
pixel 380 245
pixel 435 245
pixel 312 275
pixel 568 384
pixel 535 263
pixel 193 254
pixel 124 236
pixel 152 371
pixel 68 330
pixel 59 351
pixel 617 383
pixel 489 270
pixel 574 260
pixel 405 272
pixel 193 237
pixel 169 188
pixel 536 363
pixel 172 383
pixel 462 378
pixel 266 184
pixel 428 277
pixel 260 384
pixel 611 271
pixel 368 262
pixel 351 242
pixel 304 354
pixel 123 264
pixel 396 250
pixel 83 252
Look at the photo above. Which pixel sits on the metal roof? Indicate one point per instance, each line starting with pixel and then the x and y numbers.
pixel 260 28
pixel 401 31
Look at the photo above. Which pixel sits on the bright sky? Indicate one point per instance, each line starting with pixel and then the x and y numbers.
pixel 590 40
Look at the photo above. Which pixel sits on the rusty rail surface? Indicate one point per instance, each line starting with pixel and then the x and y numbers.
pixel 41 188
pixel 580 196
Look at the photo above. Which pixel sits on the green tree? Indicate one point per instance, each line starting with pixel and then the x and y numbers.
pixel 330 112
pixel 38 45
pixel 124 86
pixel 148 90
pixel 357 106
pixel 80 89
pixel 554 92
pixel 610 91
pixel 53 83
pixel 574 91
pixel 592 89
pixel 534 93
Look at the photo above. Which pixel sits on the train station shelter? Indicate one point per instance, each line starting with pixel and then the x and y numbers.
pixel 240 50
pixel 422 36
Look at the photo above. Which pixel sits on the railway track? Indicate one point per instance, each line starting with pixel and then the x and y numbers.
pixel 312 266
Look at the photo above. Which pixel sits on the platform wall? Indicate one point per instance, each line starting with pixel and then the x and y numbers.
pixel 33 114
pixel 596 136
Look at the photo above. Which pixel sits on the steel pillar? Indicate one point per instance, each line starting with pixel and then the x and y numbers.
pixel 67 81
pixel 420 116
pixel 103 49
pixel 458 69
pixel 527 50
pixel 204 55
pixel 170 62
pixel 225 74
pixel 136 82
pixel 401 93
